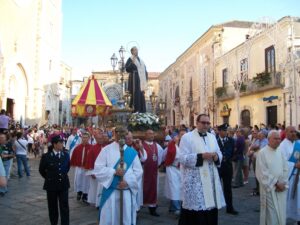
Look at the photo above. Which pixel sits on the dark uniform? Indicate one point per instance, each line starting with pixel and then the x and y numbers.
pixel 54 167
pixel 226 145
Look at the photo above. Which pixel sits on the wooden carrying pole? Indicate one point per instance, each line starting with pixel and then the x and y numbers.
pixel 121 143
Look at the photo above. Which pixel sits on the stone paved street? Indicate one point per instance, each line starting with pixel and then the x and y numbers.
pixel 25 204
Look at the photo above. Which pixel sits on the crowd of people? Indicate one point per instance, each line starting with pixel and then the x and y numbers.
pixel 202 165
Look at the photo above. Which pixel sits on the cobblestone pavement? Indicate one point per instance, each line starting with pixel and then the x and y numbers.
pixel 25 204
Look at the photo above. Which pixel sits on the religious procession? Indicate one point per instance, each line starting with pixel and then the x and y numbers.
pixel 193 120
pixel 117 167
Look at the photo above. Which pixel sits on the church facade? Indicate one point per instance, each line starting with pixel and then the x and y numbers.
pixel 30 63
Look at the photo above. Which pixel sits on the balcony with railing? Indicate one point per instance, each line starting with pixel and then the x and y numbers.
pixel 262 82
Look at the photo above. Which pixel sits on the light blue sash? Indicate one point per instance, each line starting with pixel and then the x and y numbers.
pixel 73 142
pixel 129 156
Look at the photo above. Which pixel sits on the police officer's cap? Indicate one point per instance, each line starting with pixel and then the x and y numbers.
pixel 56 139
pixel 223 127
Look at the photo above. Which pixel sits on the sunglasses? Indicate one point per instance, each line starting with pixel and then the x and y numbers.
pixel 204 122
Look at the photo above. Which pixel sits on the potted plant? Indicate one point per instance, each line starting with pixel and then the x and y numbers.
pixel 262 79
pixel 220 91
pixel 243 87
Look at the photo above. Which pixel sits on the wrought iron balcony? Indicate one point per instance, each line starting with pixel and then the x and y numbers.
pixel 250 87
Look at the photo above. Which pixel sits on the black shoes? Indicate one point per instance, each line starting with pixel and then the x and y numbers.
pixel 79 194
pixel 153 212
pixel 85 198
pixel 232 212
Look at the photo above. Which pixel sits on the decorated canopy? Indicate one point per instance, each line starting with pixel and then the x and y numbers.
pixel 91 100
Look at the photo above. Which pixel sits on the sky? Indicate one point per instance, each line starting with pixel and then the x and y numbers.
pixel 162 29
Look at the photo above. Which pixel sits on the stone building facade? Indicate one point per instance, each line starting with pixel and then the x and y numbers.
pixel 243 73
pixel 30 65
pixel 187 86
pixel 258 81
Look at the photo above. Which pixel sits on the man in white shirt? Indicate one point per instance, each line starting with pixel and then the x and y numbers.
pixel 202 193
pixel 20 147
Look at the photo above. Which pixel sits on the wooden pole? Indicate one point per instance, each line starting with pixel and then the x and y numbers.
pixel 121 143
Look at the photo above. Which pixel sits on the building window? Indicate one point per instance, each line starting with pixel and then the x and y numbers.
pixel 50 65
pixel 244 69
pixel 270 60
pixel 225 77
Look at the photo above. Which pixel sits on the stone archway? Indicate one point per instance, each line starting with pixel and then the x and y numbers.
pixel 17 93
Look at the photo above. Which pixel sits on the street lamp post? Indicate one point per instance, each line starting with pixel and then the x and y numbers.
pixel 153 99
pixel 161 107
pixel 121 64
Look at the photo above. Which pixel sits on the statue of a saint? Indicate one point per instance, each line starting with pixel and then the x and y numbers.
pixel 137 81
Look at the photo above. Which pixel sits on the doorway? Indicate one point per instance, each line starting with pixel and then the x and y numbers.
pixel 10 107
pixel 245 118
pixel 272 115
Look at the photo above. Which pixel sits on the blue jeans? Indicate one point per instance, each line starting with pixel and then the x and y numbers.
pixel 7 165
pixel 22 159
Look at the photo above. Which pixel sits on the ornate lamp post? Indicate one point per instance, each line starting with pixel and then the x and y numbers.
pixel 161 107
pixel 121 64
pixel 153 99
pixel 113 60
pixel 127 98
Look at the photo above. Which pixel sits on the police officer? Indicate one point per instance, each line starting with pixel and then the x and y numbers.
pixel 226 145
pixel 54 168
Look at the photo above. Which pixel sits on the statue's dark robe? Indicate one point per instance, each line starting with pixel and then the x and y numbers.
pixel 134 88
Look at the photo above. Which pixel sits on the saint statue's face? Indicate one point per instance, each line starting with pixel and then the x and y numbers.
pixel 134 51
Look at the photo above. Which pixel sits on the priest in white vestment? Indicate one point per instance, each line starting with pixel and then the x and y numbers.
pixel 108 174
pixel 202 193
pixel 287 147
pixel 272 174
pixel 138 146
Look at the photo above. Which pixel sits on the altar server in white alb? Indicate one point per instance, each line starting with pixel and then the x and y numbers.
pixel 202 193
pixel 173 177
pixel 293 199
pixel 272 174
pixel 108 172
